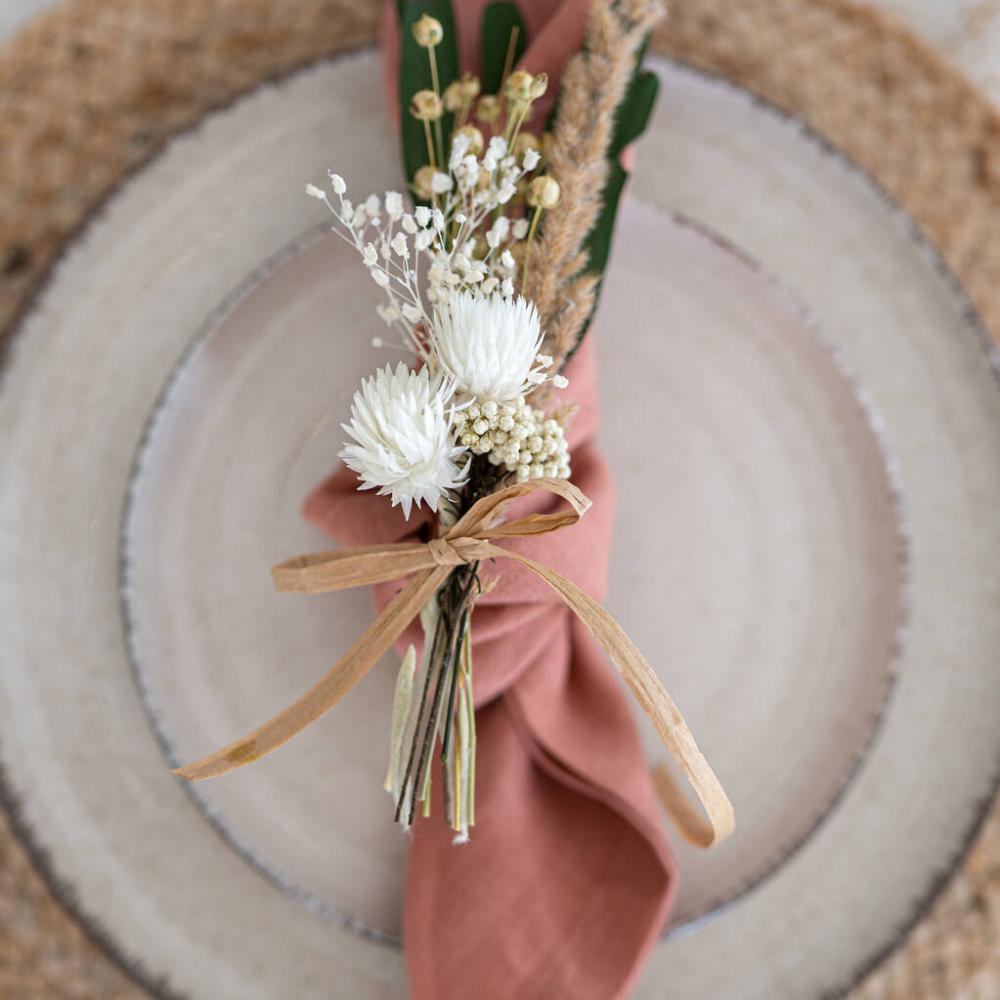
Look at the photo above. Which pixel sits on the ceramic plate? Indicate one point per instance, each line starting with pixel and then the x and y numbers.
pixel 815 587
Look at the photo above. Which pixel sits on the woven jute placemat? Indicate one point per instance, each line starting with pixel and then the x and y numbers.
pixel 92 90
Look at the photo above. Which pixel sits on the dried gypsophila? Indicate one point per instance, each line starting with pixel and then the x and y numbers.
pixel 394 243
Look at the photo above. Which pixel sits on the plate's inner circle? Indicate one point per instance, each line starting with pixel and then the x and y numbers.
pixel 756 562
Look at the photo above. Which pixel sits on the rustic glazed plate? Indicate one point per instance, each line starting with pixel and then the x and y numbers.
pixel 790 381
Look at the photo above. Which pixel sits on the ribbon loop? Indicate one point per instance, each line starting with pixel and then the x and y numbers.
pixel 429 564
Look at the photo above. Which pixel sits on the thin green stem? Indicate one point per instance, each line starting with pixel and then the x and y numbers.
pixel 430 144
pixel 432 58
pixel 527 247
pixel 434 70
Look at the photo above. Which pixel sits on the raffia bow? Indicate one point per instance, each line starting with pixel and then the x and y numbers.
pixel 428 565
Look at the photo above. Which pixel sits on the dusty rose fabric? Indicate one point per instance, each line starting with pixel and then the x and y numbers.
pixel 568 878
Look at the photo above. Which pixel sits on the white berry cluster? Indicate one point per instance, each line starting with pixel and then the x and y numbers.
pixel 516 436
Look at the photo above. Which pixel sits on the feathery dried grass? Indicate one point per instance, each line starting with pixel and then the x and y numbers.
pixel 593 86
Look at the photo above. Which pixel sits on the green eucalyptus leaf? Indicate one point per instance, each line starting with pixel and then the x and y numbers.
pixel 633 114
pixel 601 236
pixel 631 120
pixel 499 21
pixel 415 74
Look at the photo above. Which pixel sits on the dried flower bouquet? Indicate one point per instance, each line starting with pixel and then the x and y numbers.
pixel 490 271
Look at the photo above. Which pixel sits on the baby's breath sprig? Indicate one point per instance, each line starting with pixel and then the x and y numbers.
pixel 463 241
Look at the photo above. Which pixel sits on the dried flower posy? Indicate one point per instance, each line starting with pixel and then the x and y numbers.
pixel 467 265
pixel 451 268
pixel 460 424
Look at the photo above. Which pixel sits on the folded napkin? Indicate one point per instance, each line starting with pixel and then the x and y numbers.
pixel 568 877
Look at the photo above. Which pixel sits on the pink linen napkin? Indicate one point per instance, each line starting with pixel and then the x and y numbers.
pixel 568 878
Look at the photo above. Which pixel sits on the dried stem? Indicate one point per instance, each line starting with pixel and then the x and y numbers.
pixel 405 797
pixel 455 599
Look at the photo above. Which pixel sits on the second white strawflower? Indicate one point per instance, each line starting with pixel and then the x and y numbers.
pixel 490 345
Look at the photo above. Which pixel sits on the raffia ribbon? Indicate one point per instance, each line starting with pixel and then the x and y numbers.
pixel 428 565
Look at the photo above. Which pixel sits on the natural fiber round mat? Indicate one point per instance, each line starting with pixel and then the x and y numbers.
pixel 94 88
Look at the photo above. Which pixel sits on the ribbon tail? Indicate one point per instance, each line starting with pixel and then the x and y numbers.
pixel 338 681
pixel 654 700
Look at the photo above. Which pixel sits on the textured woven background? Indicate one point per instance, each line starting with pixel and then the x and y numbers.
pixel 92 89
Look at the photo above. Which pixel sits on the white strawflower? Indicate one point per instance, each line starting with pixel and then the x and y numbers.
pixel 488 344
pixel 404 447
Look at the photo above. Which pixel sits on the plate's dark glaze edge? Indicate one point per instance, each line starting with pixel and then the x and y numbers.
pixel 63 891
pixel 924 900
pixel 65 894
pixel 716 907
pixel 311 903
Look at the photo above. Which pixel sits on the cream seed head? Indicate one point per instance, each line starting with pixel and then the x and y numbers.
pixel 428 32
pixel 518 87
pixel 422 182
pixel 488 109
pixel 470 87
pixel 426 106
pixel 539 85
pixel 524 142
pixel 454 99
pixel 543 192
pixel 476 143
pixel 516 437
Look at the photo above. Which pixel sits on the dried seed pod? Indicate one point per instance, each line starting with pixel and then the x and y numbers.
pixel 428 31
pixel 526 141
pixel 543 192
pixel 470 86
pixel 475 137
pixel 426 106
pixel 518 87
pixel 539 85
pixel 488 109
pixel 454 97
pixel 422 182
